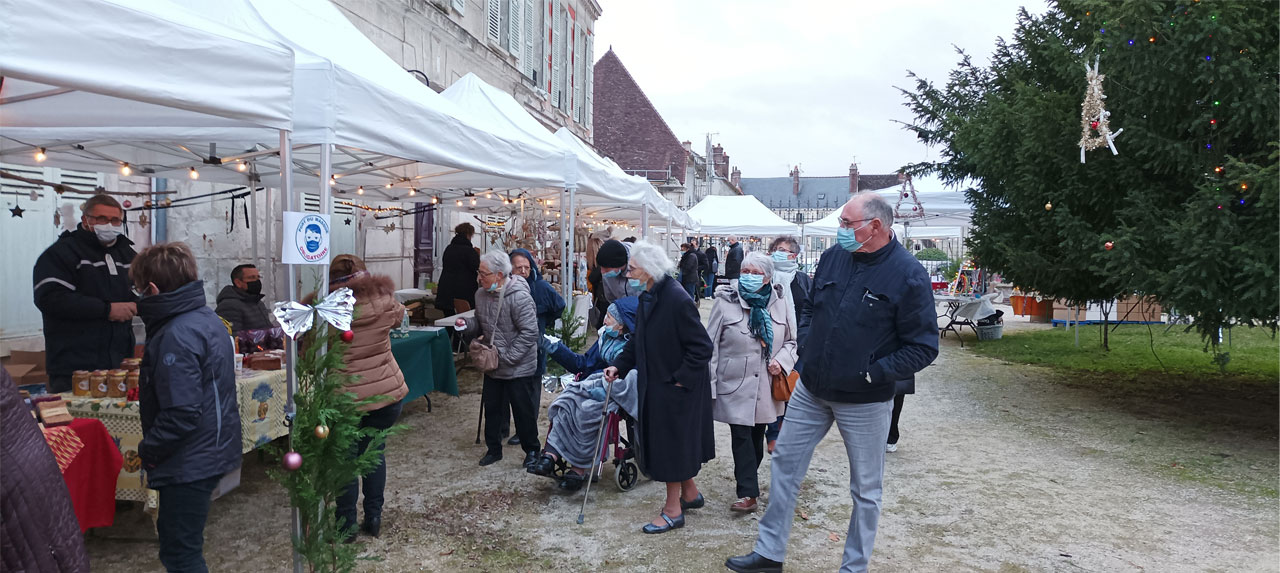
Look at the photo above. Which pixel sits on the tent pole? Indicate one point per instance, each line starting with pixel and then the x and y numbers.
pixel 567 265
pixel 291 354
pixel 326 208
pixel 644 222
pixel 253 218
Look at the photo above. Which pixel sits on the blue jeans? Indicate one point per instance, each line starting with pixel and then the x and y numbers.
pixel 375 481
pixel 711 285
pixel 184 508
pixel 863 428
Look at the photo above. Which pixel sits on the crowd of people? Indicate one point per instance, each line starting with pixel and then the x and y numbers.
pixel 855 334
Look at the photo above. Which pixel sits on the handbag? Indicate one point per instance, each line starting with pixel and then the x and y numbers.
pixel 485 356
pixel 784 385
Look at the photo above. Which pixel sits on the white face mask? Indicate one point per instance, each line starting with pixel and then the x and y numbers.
pixel 107 234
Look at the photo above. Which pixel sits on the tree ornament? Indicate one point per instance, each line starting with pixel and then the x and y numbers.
pixel 127 203
pixel 1048 206
pixel 1108 245
pixel 168 202
pixel 57 219
pixel 143 219
pixel 908 192
pixel 348 336
pixel 292 461
pixel 322 431
pixel 147 204
pixel 34 195
pixel 1094 115
pixel 16 211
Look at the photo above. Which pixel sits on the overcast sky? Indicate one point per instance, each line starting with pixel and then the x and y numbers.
pixel 798 82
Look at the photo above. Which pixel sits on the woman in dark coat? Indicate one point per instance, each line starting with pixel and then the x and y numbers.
pixel 672 351
pixel 461 262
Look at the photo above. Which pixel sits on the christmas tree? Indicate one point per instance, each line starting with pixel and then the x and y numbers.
pixel 326 429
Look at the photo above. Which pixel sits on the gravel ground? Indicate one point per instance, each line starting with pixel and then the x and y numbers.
pixel 1001 468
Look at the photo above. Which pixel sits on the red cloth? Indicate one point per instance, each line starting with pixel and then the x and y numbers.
pixel 91 477
pixel 66 445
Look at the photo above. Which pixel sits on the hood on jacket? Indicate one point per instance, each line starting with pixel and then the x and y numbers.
pixel 624 309
pixel 157 309
pixel 534 274
pixel 233 292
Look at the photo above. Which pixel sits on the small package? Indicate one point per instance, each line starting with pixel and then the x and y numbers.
pixel 54 412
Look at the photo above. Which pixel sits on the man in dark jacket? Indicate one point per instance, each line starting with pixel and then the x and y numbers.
pixel 704 266
pixel 689 271
pixel 240 302
pixel 81 286
pixel 733 259
pixel 868 322
pixel 187 400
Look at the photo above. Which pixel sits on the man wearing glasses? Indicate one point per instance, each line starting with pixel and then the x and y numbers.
pixel 867 322
pixel 82 288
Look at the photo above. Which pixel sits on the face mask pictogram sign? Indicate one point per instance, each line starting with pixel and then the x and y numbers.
pixel 306 239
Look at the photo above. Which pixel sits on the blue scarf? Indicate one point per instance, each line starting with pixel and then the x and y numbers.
pixel 760 322
pixel 611 345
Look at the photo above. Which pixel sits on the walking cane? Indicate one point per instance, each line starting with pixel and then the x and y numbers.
pixel 604 416
pixel 480 422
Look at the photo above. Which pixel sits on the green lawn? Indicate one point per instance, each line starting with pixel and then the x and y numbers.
pixel 1255 354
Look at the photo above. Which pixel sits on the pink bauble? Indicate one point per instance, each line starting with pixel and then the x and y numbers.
pixel 292 461
pixel 127 203
pixel 1109 245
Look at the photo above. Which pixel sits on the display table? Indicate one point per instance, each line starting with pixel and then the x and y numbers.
pixel 448 321
pixel 427 363
pixel 89 461
pixel 261 396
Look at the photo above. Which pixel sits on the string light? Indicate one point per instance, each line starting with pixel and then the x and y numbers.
pixel 388 185
pixel 412 191
pixel 473 201
pixel 360 190
pixel 40 156
pixel 242 166
pixel 1152 39
pixel 1213 122
pixel 192 173
pixel 331 181
pixel 1244 186
pixel 1217 169
pixel 125 170
pixel 459 202
pixel 1130 42
pixel 488 195
pixel 435 200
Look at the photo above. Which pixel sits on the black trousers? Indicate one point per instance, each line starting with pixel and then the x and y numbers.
pixel 375 482
pixel 893 423
pixel 184 508
pixel 536 395
pixel 516 396
pixel 747 443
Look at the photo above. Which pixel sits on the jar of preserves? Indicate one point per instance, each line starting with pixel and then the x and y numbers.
pixel 98 384
pixel 80 382
pixel 117 386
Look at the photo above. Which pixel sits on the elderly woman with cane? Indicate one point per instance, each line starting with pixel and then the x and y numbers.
pixel 753 331
pixel 671 351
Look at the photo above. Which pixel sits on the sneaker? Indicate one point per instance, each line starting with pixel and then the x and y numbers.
pixel 744 505
pixel 890 448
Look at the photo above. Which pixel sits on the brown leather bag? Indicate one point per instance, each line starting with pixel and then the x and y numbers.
pixel 784 385
pixel 485 356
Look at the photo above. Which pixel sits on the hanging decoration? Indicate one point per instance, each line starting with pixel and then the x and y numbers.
pixel 336 309
pixel 57 218
pixel 1095 125
pixel 908 192
pixel 16 211
pixel 292 461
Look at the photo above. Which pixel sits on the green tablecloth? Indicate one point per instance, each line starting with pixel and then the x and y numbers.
pixel 427 363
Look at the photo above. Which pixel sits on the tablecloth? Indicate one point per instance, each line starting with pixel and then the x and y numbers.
pixel 427 363
pixel 91 476
pixel 261 396
pixel 65 443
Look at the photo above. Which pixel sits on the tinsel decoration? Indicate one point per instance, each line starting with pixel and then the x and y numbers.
pixel 1095 127
pixel 336 309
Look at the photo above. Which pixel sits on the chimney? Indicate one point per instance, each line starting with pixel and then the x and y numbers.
pixel 795 181
pixel 736 178
pixel 723 167
pixel 688 146
pixel 717 159
pixel 853 178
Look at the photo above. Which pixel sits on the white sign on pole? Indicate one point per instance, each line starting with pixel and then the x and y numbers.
pixel 306 239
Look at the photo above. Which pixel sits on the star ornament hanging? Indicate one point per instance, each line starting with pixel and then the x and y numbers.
pixel 1095 127
pixel 16 211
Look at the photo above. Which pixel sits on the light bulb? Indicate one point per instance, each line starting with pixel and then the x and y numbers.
pixel 473 201
pixel 435 200
pixel 40 156
pixel 192 173
pixel 459 202
pixel 332 182
pixel 125 170
pixel 388 185
pixel 360 190
pixel 242 166
pixel 412 191
pixel 488 196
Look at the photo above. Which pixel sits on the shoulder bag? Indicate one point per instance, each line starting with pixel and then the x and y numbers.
pixel 485 356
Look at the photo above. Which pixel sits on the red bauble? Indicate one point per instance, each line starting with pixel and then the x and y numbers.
pixel 127 203
pixel 1109 245
pixel 1093 125
pixel 905 194
pixel 348 336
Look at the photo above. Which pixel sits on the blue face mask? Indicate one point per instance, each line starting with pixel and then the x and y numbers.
pixel 848 238
pixel 636 285
pixel 781 256
pixel 750 283
pixel 495 287
pixel 612 274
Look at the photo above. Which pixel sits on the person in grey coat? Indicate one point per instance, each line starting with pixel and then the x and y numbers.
pixel 753 332
pixel 512 328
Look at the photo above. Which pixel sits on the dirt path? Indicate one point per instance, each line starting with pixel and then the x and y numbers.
pixel 998 470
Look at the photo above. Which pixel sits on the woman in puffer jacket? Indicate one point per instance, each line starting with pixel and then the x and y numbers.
pixel 376 373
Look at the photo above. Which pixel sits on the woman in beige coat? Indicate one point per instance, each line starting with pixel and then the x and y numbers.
pixel 754 334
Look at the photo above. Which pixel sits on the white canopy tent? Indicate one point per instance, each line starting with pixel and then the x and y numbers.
pixel 943 210
pixel 741 215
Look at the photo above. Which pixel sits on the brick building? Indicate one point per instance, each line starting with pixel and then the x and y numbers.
pixel 629 129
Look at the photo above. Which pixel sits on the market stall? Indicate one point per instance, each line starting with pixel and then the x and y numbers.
pixel 741 215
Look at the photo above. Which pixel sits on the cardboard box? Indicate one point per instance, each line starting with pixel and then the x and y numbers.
pixel 27 374
pixel 54 413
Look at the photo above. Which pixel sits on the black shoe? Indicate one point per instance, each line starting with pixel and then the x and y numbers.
pixel 545 466
pixel 572 481
pixel 530 458
pixel 372 526
pixel 514 441
pixel 753 563
pixel 489 459
pixel 672 523
pixel 697 502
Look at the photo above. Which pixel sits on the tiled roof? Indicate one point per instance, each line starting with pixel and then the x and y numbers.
pixel 815 192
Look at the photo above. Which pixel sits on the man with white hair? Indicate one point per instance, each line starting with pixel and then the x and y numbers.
pixel 868 322
pixel 733 258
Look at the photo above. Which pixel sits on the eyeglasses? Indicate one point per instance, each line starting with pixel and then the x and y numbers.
pixel 746 272
pixel 782 250
pixel 487 273
pixel 104 220
pixel 847 224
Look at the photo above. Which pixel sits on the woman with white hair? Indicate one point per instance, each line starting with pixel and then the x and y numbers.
pixel 506 318
pixel 670 350
pixel 753 332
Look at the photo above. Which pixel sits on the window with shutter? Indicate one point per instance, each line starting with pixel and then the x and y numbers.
pixel 460 6
pixel 557 58
pixel 548 44
pixel 494 11
pixel 567 68
pixel 589 78
pixel 530 60
pixel 515 28
pixel 579 76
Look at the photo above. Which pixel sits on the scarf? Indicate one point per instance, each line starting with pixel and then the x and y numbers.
pixel 760 322
pixel 611 345
pixel 784 274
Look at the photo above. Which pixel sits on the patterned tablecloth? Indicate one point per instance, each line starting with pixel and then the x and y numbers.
pixel 262 398
pixel 65 445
